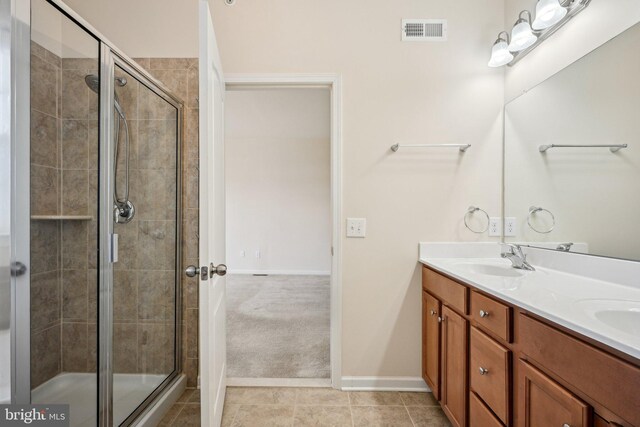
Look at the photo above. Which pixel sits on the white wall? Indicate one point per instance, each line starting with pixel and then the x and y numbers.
pixel 145 28
pixel 592 192
pixel 277 160
pixel 598 23
pixel 392 92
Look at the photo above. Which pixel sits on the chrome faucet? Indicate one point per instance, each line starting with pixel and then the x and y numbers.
pixel 517 257
pixel 565 247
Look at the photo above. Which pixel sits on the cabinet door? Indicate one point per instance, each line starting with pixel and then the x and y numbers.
pixel 454 367
pixel 545 403
pixel 431 343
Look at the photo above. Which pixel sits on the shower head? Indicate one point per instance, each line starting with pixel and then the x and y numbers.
pixel 93 81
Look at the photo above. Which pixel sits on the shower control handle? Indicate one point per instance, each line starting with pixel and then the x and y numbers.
pixel 193 271
pixel 219 269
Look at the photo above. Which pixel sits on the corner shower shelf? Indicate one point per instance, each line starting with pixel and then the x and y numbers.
pixel 61 217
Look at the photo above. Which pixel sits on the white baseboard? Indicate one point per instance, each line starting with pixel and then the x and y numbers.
pixel 278 382
pixel 283 272
pixel 384 384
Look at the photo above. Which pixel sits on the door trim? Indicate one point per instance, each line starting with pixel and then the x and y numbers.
pixel 334 83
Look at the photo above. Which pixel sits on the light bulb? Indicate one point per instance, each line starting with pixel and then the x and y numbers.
pixel 500 54
pixel 548 13
pixel 521 36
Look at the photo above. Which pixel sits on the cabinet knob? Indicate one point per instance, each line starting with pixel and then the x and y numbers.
pixel 433 312
pixel 484 313
pixel 565 425
pixel 440 319
pixel 484 371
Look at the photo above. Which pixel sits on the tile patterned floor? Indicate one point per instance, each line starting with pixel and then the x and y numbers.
pixel 301 407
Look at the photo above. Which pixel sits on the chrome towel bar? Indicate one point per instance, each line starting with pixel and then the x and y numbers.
pixel 613 147
pixel 462 147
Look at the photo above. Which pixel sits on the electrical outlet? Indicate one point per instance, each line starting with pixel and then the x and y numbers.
pixel 510 226
pixel 495 227
pixel 258 254
pixel 356 227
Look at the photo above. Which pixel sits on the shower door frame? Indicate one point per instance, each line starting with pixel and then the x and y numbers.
pixel 109 57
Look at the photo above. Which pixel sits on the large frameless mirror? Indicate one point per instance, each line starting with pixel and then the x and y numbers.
pixel 572 155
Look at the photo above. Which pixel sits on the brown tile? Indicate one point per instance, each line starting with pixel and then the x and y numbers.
pixel 190 291
pixel 380 416
pixel 195 396
pixel 263 415
pixel 128 245
pixel 93 147
pixel 191 323
pixel 158 239
pixel 86 65
pixel 428 416
pixel 125 295
pixel 74 347
pixel 171 415
pixel 44 190
pixel 157 144
pixel 74 245
pixel 92 295
pixel 191 136
pixel 75 95
pixel 191 100
pixel 92 347
pixel 45 300
pixel 44 86
pixel 44 139
pixel 45 355
pixel 191 188
pixel 92 244
pixel 128 95
pixel 169 64
pixel 151 106
pixel 186 395
pixel 152 349
pixel 125 348
pixel 191 371
pixel 261 395
pixel 153 195
pixel 45 243
pixel 74 295
pixel 75 144
pixel 336 416
pixel 321 396
pixel 188 416
pixel 229 414
pixel 375 398
pixel 174 79
pixel 418 399
pixel 75 188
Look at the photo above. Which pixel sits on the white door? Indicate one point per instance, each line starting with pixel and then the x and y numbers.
pixel 212 226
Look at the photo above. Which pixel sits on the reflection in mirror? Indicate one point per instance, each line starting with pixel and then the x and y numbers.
pixel 572 155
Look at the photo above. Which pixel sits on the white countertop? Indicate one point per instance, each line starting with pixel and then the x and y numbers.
pixel 603 310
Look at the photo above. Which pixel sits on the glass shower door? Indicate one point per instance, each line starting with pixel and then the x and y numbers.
pixel 64 223
pixel 145 281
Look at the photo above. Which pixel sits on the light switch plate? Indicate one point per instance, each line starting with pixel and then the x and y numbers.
pixel 356 227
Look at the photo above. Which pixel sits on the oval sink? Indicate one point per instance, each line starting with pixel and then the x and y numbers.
pixel 623 316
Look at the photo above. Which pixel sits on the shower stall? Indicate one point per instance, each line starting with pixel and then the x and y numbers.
pixel 94 229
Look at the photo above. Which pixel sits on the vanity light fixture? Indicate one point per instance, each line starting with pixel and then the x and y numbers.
pixel 522 35
pixel 500 54
pixel 528 33
pixel 548 14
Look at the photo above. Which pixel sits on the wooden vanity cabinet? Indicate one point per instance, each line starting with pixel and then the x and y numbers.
pixel 535 373
pixel 454 366
pixel 431 312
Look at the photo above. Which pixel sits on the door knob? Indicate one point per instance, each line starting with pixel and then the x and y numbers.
pixel 219 269
pixel 193 271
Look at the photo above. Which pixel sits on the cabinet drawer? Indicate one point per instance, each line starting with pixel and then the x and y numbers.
pixel 605 379
pixel 480 415
pixel 491 315
pixel 489 367
pixel 451 293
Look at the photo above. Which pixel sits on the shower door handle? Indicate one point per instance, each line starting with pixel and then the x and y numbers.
pixel 18 269
pixel 193 271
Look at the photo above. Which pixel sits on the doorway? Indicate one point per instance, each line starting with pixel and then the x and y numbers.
pixel 281 182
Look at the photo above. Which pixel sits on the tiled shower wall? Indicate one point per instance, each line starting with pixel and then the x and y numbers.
pixel 64 260
pixel 180 75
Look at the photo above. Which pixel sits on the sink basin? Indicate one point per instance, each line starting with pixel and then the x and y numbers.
pixel 623 316
pixel 495 269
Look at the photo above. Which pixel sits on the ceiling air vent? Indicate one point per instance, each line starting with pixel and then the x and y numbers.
pixel 424 30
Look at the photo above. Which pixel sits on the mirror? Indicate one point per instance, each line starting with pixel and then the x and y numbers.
pixel 572 155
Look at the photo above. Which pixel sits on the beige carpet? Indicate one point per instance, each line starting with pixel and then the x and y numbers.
pixel 278 326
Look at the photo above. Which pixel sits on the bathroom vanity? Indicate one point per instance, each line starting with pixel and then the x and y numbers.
pixel 504 347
